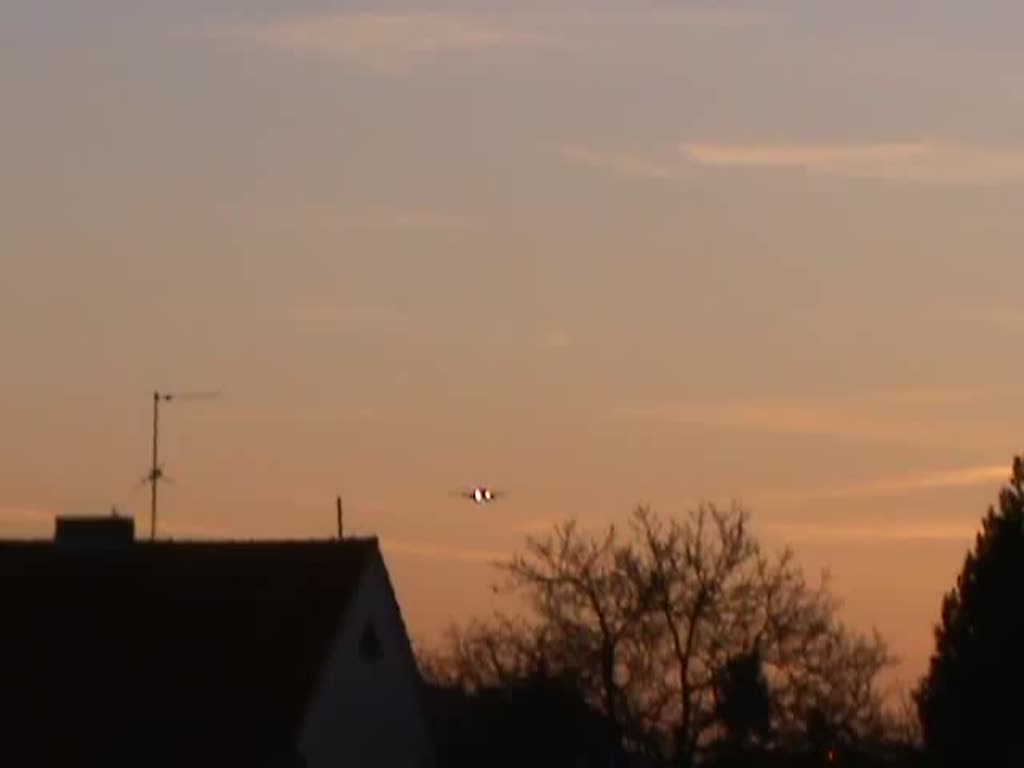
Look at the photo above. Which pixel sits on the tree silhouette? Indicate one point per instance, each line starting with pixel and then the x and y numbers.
pixel 743 707
pixel 682 632
pixel 970 701
pixel 538 721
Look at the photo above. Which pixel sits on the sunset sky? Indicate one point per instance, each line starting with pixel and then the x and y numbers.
pixel 592 253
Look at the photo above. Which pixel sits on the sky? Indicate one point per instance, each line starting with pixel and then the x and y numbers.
pixel 594 253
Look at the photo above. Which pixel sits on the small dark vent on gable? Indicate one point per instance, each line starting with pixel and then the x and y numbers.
pixel 369 643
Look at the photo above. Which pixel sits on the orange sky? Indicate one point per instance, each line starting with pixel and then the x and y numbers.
pixel 594 253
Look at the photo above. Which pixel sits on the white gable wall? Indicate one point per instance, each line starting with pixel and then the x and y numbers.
pixel 367 714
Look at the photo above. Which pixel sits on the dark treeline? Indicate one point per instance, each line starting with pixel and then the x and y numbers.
pixel 683 642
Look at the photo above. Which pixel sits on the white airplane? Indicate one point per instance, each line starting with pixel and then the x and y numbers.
pixel 481 495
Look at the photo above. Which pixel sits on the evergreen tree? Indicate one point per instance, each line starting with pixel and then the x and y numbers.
pixel 970 702
pixel 744 710
pixel 744 702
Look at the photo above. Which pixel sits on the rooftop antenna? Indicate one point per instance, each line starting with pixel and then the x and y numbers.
pixel 156 473
pixel 341 530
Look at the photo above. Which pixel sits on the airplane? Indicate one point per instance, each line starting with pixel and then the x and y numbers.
pixel 481 494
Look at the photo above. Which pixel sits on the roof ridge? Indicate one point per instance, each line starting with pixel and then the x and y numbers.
pixel 364 540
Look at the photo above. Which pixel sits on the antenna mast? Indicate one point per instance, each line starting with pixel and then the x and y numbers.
pixel 156 473
pixel 341 530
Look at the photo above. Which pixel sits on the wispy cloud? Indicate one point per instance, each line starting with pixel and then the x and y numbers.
pixel 420 220
pixel 386 43
pixel 628 164
pixel 935 531
pixel 1003 319
pixel 435 552
pixel 556 339
pixel 394 43
pixel 317 315
pixel 924 396
pixel 708 15
pixel 957 477
pixel 924 161
pixel 813 420
pixel 535 526
pixel 311 315
pixel 906 484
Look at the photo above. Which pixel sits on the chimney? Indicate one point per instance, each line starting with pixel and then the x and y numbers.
pixel 94 533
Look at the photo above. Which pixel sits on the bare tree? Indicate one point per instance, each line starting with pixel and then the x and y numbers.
pixel 586 598
pixel 487 653
pixel 647 624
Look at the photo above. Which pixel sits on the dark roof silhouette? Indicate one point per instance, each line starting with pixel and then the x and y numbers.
pixel 185 653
